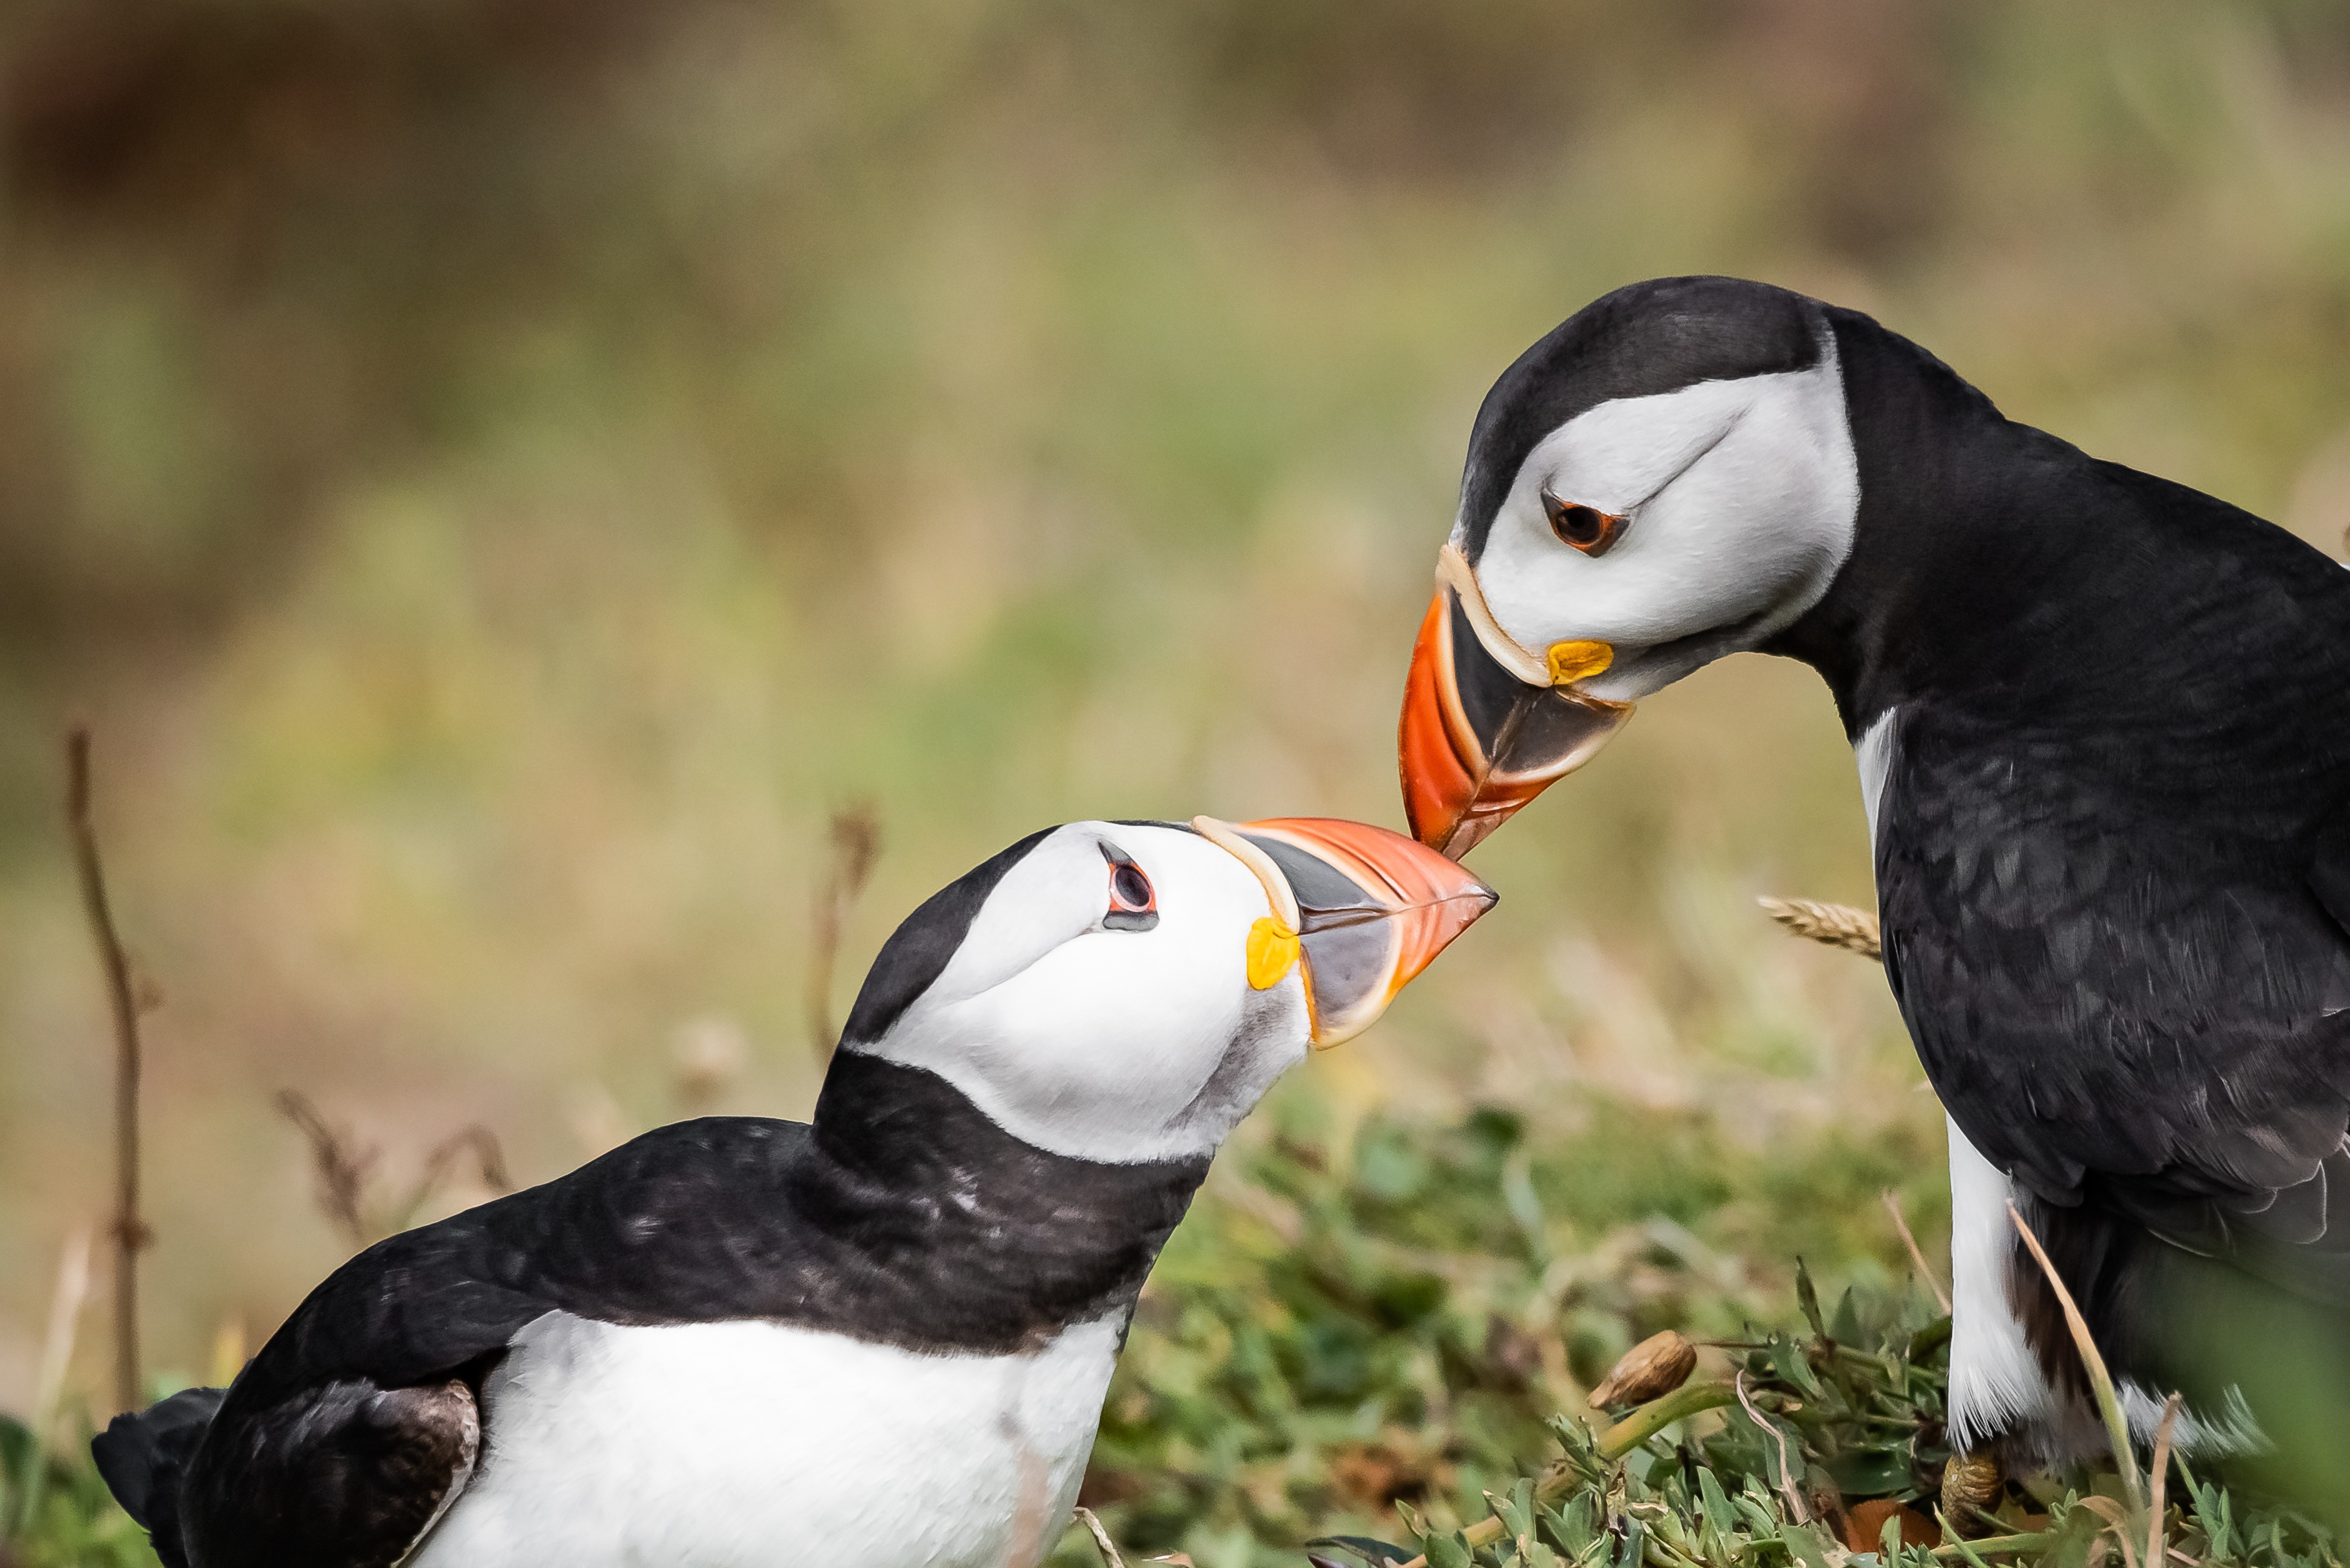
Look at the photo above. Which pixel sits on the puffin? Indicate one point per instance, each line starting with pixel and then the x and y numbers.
pixel 2102 727
pixel 879 1339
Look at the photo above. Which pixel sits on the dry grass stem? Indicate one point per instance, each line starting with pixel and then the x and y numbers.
pixel 1795 1506
pixel 856 836
pixel 2100 1381
pixel 1108 1548
pixel 1917 1255
pixel 67 1300
pixel 129 1232
pixel 1837 925
pixel 346 1172
pixel 342 1167
pixel 2159 1481
pixel 489 1162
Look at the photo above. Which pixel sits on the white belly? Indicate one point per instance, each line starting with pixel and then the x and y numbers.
pixel 752 1445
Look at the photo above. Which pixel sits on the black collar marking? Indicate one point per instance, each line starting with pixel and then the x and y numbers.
pixel 918 951
pixel 1648 339
pixel 904 1216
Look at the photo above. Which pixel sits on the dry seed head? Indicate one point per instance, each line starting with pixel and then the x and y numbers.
pixel 1970 1482
pixel 1649 1370
pixel 1837 925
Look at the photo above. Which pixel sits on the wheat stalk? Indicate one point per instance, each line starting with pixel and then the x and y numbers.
pixel 1837 925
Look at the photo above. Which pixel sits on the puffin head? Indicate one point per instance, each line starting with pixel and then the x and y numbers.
pixel 1666 478
pixel 1125 992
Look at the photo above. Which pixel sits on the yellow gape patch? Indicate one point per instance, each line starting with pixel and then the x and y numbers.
pixel 1573 661
pixel 1272 953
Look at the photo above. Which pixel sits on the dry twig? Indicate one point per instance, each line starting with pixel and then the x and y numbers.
pixel 129 1232
pixel 856 836
pixel 1837 925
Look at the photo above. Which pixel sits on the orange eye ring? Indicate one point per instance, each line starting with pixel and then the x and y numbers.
pixel 1133 901
pixel 1587 528
pixel 1129 890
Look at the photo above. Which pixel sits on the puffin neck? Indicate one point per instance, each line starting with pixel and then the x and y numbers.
pixel 913 1176
pixel 1967 521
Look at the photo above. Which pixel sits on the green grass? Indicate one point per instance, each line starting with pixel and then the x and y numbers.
pixel 55 1512
pixel 1389 1336
pixel 1384 1331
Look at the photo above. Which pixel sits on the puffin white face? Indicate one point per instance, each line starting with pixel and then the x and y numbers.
pixel 1127 992
pixel 1668 477
pixel 1674 528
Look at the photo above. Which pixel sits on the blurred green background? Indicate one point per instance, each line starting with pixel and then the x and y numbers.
pixel 497 476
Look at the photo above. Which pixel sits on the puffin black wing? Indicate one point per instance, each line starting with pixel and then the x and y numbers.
pixel 2152 1023
pixel 361 1421
pixel 143 1455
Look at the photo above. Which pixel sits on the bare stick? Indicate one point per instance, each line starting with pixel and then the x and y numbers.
pixel 856 844
pixel 2154 1530
pixel 1101 1539
pixel 2100 1382
pixel 1901 1223
pixel 1837 925
pixel 129 1232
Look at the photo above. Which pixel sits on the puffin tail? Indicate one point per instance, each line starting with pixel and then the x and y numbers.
pixel 144 1457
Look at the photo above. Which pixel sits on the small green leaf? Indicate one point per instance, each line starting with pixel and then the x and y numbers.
pixel 1517 1509
pixel 1572 1528
pixel 1870 1472
pixel 1845 1326
pixel 1787 1360
pixel 1449 1551
pixel 1808 1298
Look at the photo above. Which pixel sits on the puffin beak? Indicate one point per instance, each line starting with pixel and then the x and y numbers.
pixel 1487 724
pixel 1364 910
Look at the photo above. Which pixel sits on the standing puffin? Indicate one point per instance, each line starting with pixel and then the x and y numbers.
pixel 2103 729
pixel 880 1340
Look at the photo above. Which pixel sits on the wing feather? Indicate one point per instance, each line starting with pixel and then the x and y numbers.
pixel 2120 1012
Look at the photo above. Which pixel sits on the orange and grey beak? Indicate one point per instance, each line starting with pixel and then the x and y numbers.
pixel 1487 724
pixel 1361 909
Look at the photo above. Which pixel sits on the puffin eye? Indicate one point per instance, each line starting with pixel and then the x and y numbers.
pixel 1587 528
pixel 1133 902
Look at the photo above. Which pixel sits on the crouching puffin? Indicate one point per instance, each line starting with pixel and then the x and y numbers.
pixel 878 1340
pixel 2103 729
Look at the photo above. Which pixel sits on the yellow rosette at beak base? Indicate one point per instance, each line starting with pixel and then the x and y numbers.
pixel 1272 953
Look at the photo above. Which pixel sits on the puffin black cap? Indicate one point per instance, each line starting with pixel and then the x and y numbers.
pixel 1643 339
